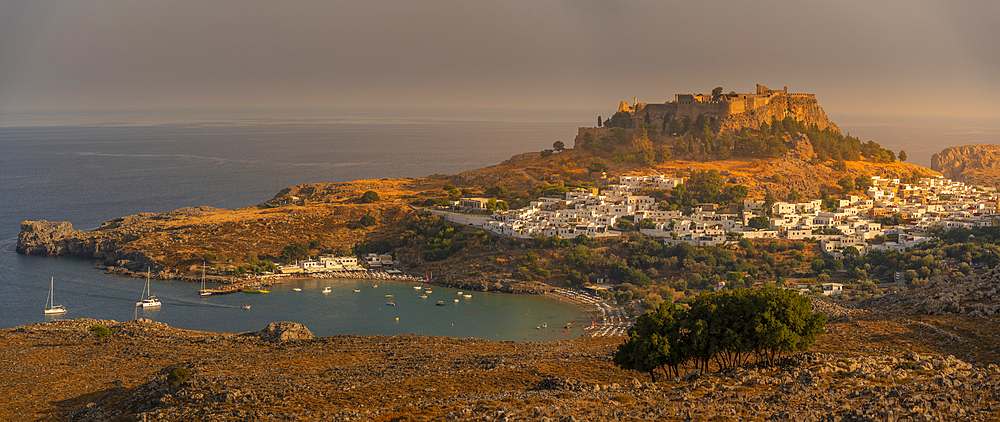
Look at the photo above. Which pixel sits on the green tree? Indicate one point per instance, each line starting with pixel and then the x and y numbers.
pixel 706 185
pixel 294 252
pixel 736 193
pixel 370 197
pixel 717 91
pixel 558 145
pixel 846 183
pixel 902 155
pixel 759 222
pixel 599 121
pixel 597 165
pixel 546 152
pixel 653 342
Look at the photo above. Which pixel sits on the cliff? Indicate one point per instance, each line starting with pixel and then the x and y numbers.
pixel 803 108
pixel 971 164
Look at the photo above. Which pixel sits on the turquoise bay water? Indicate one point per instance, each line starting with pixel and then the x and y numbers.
pixel 92 173
pixel 92 294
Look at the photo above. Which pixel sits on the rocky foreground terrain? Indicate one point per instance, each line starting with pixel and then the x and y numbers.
pixel 871 365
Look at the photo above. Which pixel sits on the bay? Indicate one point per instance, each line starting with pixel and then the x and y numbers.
pixel 89 173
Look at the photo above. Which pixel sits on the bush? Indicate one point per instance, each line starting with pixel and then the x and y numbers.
pixel 370 197
pixel 178 375
pixel 100 331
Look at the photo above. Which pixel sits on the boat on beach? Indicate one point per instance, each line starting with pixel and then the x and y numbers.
pixel 254 289
pixel 148 300
pixel 51 309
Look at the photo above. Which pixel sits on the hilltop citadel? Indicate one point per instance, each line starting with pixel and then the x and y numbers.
pixel 729 112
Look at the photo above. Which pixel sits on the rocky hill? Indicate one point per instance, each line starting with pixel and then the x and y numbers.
pixel 971 164
pixel 173 242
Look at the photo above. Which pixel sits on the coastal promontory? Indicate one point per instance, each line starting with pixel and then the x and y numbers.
pixel 972 164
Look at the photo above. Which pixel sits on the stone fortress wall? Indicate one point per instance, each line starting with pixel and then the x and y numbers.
pixel 733 110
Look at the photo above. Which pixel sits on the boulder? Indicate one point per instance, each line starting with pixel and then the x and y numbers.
pixel 285 331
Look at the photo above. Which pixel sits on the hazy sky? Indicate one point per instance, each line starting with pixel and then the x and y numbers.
pixel 858 56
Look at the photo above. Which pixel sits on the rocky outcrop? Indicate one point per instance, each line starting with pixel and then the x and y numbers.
pixel 970 164
pixel 799 107
pixel 60 239
pixel 47 238
pixel 280 331
pixel 976 295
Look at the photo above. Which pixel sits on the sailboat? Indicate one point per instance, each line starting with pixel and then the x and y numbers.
pixel 203 291
pixel 148 299
pixel 51 309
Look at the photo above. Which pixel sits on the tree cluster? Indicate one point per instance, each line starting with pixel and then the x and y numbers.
pixel 730 328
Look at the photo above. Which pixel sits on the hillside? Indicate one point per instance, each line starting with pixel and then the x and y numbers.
pixel 326 215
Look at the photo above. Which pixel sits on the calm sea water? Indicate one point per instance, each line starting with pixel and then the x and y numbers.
pixel 87 174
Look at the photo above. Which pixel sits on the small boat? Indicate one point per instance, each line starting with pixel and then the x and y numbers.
pixel 245 306
pixel 459 293
pixel 423 296
pixel 203 291
pixel 456 300
pixel 388 296
pixel 417 287
pixel 254 289
pixel 327 290
pixel 357 290
pixel 296 289
pixel 545 325
pixel 148 300
pixel 391 303
pixel 428 291
pixel 51 309
pixel 374 285
pixel 467 296
pixel 440 303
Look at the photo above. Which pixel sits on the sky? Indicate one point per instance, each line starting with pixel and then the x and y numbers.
pixel 905 57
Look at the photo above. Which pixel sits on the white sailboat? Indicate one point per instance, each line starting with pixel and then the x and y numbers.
pixel 203 292
pixel 51 309
pixel 148 300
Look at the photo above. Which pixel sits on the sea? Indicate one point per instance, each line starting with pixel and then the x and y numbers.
pixel 88 168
